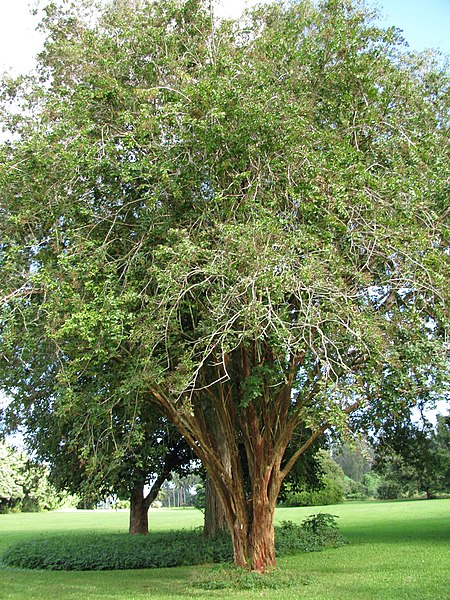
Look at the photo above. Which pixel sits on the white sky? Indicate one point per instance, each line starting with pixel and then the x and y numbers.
pixel 426 23
pixel 19 42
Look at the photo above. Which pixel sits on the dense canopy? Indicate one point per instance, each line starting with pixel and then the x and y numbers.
pixel 243 223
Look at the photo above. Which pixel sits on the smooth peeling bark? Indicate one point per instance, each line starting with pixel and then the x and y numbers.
pixel 263 541
pixel 241 550
pixel 215 520
pixel 252 531
pixel 250 516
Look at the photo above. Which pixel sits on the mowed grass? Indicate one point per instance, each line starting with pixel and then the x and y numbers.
pixel 397 550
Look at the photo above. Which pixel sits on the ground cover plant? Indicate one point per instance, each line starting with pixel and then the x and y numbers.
pixel 109 551
pixel 397 550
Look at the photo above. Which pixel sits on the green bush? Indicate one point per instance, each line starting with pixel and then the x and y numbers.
pixel 331 494
pixel 331 490
pixel 354 490
pixel 389 490
pixel 100 552
pixel 314 534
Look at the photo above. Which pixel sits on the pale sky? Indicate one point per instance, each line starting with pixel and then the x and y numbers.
pixel 426 23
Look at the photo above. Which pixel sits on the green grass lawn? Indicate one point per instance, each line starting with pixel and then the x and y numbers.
pixel 397 550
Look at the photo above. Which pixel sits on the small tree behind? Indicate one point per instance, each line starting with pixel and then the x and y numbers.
pixel 413 459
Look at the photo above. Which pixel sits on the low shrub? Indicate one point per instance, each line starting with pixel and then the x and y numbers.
pixel 315 533
pixel 355 490
pixel 226 577
pixel 99 552
pixel 389 490
pixel 332 494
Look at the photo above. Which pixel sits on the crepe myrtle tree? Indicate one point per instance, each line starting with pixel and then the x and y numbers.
pixel 251 215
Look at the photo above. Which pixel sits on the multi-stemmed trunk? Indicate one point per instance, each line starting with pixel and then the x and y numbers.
pixel 242 445
pixel 254 540
pixel 247 477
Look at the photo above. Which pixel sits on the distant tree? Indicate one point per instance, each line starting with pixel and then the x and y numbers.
pixel 413 458
pixel 443 441
pixel 184 489
pixel 355 461
pixel 24 484
pixel 11 477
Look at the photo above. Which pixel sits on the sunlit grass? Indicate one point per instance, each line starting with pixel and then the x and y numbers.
pixel 398 550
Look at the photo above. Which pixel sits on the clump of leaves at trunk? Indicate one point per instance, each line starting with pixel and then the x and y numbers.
pixel 95 552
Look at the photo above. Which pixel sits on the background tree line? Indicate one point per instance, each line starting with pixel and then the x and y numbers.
pixel 408 460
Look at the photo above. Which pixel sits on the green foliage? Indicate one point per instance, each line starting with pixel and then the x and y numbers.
pixel 355 461
pixel 25 485
pixel 355 490
pixel 99 552
pixel 390 489
pixel 199 498
pixel 411 459
pixel 12 477
pixel 92 552
pixel 371 483
pixel 330 489
pixel 314 534
pixel 243 223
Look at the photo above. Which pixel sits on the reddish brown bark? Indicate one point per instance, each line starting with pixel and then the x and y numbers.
pixel 262 539
pixel 242 445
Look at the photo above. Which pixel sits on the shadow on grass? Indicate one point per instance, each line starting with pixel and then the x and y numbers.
pixel 421 530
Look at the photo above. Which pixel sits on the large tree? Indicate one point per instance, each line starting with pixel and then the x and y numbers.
pixel 414 457
pixel 94 441
pixel 252 216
